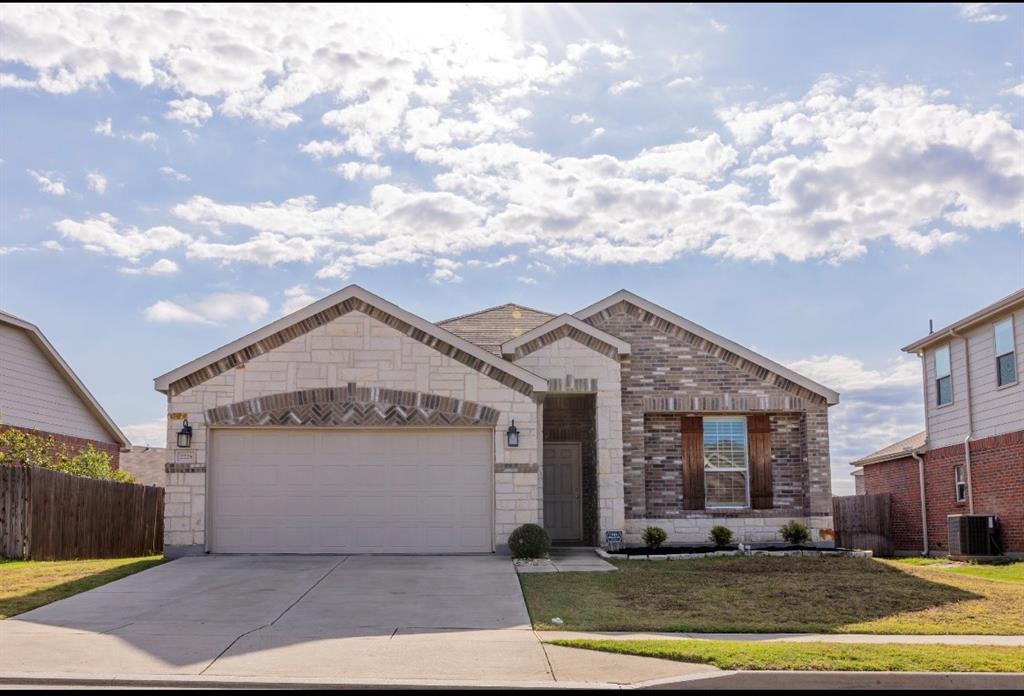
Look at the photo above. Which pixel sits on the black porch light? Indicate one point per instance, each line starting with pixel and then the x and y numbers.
pixel 512 435
pixel 185 435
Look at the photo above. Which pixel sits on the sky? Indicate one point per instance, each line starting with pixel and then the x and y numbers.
pixel 813 182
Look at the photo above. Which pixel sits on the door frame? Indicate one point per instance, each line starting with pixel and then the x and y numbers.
pixel 212 430
pixel 579 486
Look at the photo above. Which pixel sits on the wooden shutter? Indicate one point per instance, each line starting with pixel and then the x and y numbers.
pixel 759 442
pixel 692 429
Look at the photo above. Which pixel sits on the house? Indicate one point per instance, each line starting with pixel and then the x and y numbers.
pixel 354 426
pixel 970 457
pixel 146 464
pixel 40 393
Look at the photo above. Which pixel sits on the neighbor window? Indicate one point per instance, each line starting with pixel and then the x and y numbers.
pixel 725 462
pixel 960 484
pixel 943 378
pixel 1006 358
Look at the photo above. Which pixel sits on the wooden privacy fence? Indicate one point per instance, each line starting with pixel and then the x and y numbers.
pixel 49 516
pixel 864 522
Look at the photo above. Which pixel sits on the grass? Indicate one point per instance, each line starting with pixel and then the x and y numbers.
pixel 846 657
pixel 770 594
pixel 1006 572
pixel 25 585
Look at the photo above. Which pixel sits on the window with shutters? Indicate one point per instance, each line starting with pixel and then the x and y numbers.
pixel 726 459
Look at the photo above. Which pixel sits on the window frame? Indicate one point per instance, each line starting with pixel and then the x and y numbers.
pixel 935 365
pixel 959 484
pixel 745 469
pixel 1012 351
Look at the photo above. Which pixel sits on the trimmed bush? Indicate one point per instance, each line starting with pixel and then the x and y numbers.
pixel 795 532
pixel 654 537
pixel 529 541
pixel 720 535
pixel 29 449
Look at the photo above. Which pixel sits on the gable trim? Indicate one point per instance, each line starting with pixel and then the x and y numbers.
pixel 65 371
pixel 350 299
pixel 718 345
pixel 565 326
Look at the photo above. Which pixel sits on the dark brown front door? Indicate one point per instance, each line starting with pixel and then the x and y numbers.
pixel 563 488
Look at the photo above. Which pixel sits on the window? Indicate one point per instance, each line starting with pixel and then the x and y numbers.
pixel 1006 358
pixel 725 462
pixel 943 378
pixel 959 483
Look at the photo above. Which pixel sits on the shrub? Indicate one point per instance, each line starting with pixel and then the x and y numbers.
pixel 795 532
pixel 529 541
pixel 720 535
pixel 654 537
pixel 29 449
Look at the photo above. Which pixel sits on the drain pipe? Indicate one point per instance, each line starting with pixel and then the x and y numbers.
pixel 924 509
pixel 970 423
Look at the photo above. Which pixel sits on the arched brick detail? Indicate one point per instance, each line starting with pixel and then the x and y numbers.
pixel 353 405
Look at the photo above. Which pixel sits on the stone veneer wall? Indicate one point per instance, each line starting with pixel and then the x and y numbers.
pixel 571 367
pixel 353 349
pixel 670 371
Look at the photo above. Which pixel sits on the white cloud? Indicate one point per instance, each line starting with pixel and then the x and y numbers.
pixel 106 128
pixel 192 111
pixel 497 263
pixel 160 267
pixel 52 245
pixel 596 133
pixel 623 86
pixel 213 309
pixel 844 373
pixel 295 298
pixel 1016 90
pixel 718 26
pixel 319 149
pixel 527 280
pixel 101 234
pixel 982 11
pixel 577 119
pixel 96 182
pixel 362 170
pixel 684 81
pixel 147 434
pixel 173 173
pixel 48 182
pixel 444 272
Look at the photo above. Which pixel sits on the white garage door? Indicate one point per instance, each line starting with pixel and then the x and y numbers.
pixel 351 491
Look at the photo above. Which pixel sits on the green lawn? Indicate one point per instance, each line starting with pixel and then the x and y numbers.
pixel 1007 572
pixel 771 594
pixel 753 655
pixel 25 585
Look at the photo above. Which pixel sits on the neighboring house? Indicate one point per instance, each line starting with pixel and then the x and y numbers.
pixel 972 451
pixel 40 393
pixel 353 426
pixel 146 464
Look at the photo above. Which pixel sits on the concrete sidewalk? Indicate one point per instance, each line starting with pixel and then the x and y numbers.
pixel 1013 641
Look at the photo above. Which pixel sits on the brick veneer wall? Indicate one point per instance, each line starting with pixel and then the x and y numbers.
pixel 75 444
pixel 671 370
pixel 997 472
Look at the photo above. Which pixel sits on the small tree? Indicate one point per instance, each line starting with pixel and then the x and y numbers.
pixel 30 449
pixel 720 535
pixel 795 533
pixel 654 537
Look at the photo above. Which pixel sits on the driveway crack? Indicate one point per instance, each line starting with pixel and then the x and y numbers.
pixel 279 617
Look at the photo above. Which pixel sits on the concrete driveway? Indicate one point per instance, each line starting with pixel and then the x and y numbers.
pixel 372 618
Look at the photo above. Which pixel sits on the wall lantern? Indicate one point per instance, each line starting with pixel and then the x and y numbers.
pixel 512 435
pixel 185 435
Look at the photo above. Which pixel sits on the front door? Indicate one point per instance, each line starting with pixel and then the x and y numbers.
pixel 563 486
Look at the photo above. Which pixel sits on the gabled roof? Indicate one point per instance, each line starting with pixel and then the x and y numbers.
pixel 351 298
pixel 897 450
pixel 1009 303
pixel 831 397
pixel 489 328
pixel 560 324
pixel 68 374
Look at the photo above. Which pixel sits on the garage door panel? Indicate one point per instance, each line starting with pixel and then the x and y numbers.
pixel 351 491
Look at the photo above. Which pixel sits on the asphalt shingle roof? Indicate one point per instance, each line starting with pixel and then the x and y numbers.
pixel 894 451
pixel 489 328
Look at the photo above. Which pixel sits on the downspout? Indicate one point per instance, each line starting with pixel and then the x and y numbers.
pixel 970 423
pixel 924 510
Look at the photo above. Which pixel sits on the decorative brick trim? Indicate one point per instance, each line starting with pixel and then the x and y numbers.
pixel 328 315
pixel 706 346
pixel 353 406
pixel 567 331
pixel 723 403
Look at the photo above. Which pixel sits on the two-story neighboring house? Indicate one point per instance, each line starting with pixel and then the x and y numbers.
pixel 970 458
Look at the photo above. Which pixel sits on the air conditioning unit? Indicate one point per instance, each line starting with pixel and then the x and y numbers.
pixel 973 535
